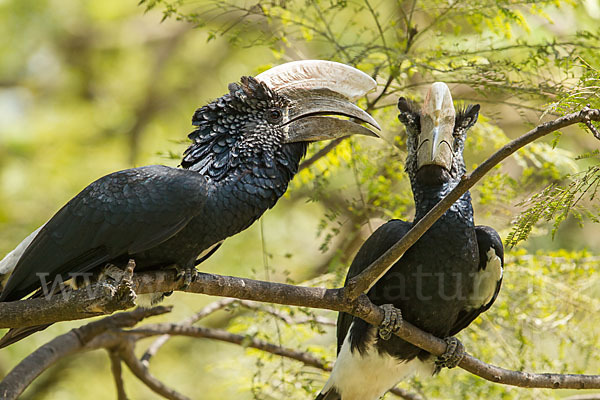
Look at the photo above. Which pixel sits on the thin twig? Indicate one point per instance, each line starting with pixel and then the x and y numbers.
pixel 405 394
pixel 321 153
pixel 117 371
pixel 225 336
pixel 142 373
pixel 245 341
pixel 206 311
pixel 218 305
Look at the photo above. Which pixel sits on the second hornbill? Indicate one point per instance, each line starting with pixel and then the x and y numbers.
pixel 441 284
pixel 245 150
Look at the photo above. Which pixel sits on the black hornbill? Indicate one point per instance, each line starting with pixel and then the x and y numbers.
pixel 246 148
pixel 442 283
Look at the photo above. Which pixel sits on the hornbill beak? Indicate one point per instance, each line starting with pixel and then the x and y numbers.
pixel 437 126
pixel 316 90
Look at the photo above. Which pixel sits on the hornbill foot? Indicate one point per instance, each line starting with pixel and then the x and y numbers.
pixel 125 292
pixel 118 275
pixel 392 320
pixel 120 280
pixel 455 352
pixel 187 274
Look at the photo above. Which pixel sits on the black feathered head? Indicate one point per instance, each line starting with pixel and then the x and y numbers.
pixel 436 136
pixel 264 123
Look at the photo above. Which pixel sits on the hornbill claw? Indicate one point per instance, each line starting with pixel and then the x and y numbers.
pixel 392 320
pixel 455 352
pixel 121 279
pixel 188 274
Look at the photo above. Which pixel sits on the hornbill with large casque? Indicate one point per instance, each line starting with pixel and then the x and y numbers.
pixel 245 150
pixel 441 284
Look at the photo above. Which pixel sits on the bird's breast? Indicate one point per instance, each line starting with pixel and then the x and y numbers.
pixel 435 278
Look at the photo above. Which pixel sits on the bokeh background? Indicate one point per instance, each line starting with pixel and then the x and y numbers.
pixel 91 87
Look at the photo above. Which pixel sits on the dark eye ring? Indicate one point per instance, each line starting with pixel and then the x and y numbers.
pixel 274 115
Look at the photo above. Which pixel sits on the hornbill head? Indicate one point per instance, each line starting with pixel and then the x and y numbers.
pixel 436 136
pixel 267 121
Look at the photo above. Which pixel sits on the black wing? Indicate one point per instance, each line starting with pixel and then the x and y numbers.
pixel 490 279
pixel 123 213
pixel 378 243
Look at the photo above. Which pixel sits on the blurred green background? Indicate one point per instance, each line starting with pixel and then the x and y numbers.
pixel 90 87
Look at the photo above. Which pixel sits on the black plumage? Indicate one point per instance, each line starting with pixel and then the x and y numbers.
pixel 246 148
pixel 441 284
pixel 160 215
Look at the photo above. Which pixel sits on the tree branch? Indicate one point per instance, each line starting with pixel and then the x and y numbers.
pixel 168 330
pixel 142 373
pixel 98 299
pixel 225 336
pixel 362 307
pixel 321 153
pixel 115 366
pixel 64 345
pixel 218 305
pixel 206 311
pixel 333 299
pixel 119 344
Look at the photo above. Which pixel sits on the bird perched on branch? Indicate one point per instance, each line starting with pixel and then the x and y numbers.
pixel 245 150
pixel 441 284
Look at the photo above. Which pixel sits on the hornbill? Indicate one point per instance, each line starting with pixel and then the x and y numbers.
pixel 245 149
pixel 441 284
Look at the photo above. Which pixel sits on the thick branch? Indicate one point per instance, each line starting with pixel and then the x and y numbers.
pixel 362 307
pixel 81 304
pixel 97 299
pixel 332 299
pixel 242 288
pixel 64 345
pixel 367 278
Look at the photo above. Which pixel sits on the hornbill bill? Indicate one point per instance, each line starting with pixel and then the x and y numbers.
pixel 441 284
pixel 245 150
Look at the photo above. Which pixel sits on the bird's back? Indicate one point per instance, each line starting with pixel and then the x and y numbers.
pixel 119 215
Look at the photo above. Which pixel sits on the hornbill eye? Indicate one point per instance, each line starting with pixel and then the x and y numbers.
pixel 274 115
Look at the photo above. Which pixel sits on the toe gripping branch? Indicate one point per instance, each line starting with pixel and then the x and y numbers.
pixel 120 280
pixel 392 320
pixel 455 352
pixel 188 274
